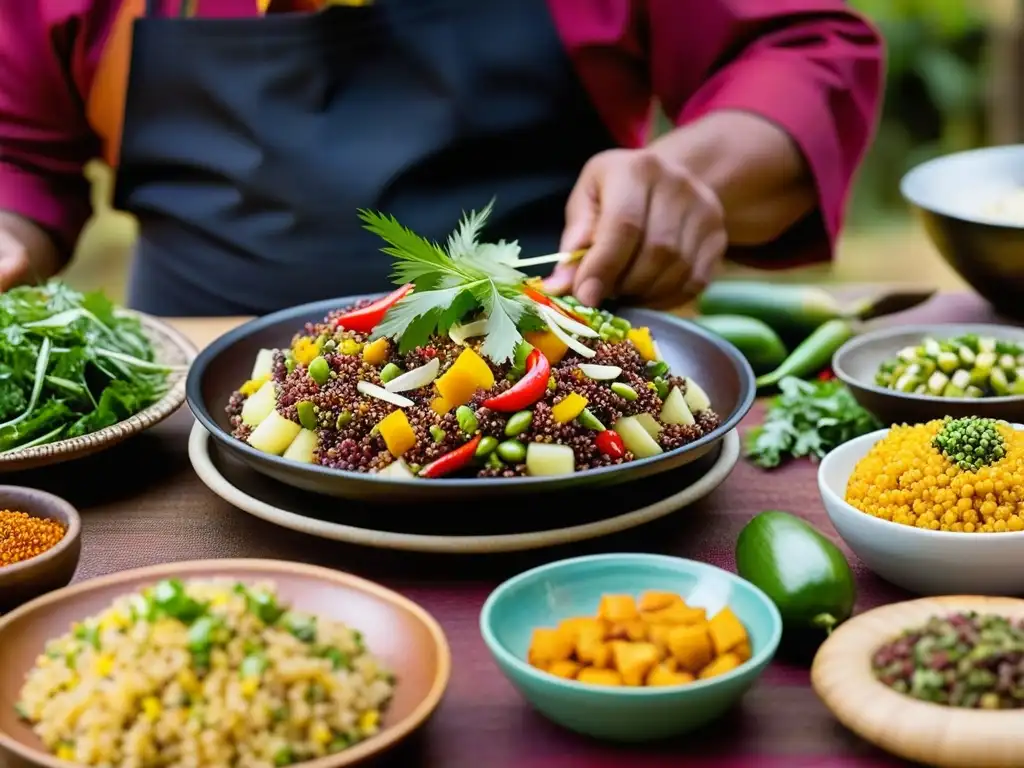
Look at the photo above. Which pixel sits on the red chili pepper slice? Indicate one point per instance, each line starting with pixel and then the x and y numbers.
pixel 610 444
pixel 547 301
pixel 452 461
pixel 365 319
pixel 826 375
pixel 528 390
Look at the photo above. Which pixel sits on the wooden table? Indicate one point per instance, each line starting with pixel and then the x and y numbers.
pixel 142 504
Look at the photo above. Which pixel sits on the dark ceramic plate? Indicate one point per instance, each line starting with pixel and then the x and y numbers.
pixel 857 361
pixel 219 369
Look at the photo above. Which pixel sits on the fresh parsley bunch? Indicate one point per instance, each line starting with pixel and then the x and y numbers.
pixel 807 418
pixel 454 281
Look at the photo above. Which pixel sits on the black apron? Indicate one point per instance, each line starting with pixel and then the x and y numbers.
pixel 249 144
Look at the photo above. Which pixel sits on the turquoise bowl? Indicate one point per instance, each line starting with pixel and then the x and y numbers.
pixel 544 596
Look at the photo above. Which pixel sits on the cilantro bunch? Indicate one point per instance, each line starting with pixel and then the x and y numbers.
pixel 807 418
pixel 70 364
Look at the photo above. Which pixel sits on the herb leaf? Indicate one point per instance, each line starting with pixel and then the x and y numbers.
pixel 807 419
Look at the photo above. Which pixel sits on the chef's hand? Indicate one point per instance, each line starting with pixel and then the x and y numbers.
pixel 654 232
pixel 27 253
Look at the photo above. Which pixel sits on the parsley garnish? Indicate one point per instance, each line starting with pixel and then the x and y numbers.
pixel 807 418
pixel 452 282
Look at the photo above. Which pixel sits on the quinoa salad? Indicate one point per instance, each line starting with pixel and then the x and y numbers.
pixel 467 369
pixel 204 674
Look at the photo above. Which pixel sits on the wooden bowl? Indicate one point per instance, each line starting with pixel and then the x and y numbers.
pixel 53 568
pixel 857 362
pixel 399 632
pixel 933 734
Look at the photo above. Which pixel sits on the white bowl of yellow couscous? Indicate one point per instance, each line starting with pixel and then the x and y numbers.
pixel 923 522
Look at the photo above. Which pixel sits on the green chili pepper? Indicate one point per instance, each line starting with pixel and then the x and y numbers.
pixel 812 354
pixel 624 391
pixel 588 420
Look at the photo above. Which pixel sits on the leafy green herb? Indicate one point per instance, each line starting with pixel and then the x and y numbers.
pixel 452 282
pixel 70 364
pixel 807 418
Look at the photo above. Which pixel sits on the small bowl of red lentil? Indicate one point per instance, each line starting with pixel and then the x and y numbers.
pixel 40 543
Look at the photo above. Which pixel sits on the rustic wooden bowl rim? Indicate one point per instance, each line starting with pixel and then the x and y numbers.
pixel 40 502
pixel 373 746
pixel 916 730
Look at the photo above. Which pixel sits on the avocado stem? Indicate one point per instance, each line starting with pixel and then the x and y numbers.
pixel 825 621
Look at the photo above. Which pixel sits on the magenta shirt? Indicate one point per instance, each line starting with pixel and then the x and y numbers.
pixel 812 67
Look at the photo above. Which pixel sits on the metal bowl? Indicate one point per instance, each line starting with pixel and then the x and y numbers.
pixel 857 361
pixel 219 369
pixel 954 196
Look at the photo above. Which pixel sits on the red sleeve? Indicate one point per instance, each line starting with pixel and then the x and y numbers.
pixel 48 53
pixel 811 66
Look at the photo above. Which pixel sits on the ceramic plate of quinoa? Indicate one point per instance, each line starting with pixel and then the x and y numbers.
pixel 933 508
pixel 281 663
pixel 465 382
pixel 916 679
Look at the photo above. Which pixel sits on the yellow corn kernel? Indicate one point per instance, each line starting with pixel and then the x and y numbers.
pixel 151 708
pixel 369 721
pixel 249 686
pixel 569 407
pixel 250 387
pixel 66 752
pixel 350 347
pixel 397 432
pixel 644 343
pixel 103 665
pixel 320 733
pixel 188 681
pixel 376 352
pixel 220 600
pixel 304 350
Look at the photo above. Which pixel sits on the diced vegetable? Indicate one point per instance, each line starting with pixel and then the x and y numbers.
pixel 466 376
pixel 264 365
pixel 569 325
pixel 549 459
pixel 416 378
pixel 452 461
pixel 259 405
pixel 440 406
pixel 304 349
pixel 274 434
pixel 303 447
pixel 528 390
pixel 252 386
pixel 675 410
pixel 575 345
pixel 636 438
pixel 397 432
pixel 600 372
pixel 459 333
pixel 569 407
pixel 696 398
pixel 610 444
pixel 397 469
pixel 372 390
pixel 376 352
pixel 549 344
pixel 643 341
pixel 649 423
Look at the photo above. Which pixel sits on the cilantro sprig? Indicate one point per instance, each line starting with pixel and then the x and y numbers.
pixel 807 418
pixel 463 277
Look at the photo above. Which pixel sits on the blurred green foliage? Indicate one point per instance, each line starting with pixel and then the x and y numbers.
pixel 935 94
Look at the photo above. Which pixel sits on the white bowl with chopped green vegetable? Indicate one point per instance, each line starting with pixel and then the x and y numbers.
pixel 81 374
pixel 916 373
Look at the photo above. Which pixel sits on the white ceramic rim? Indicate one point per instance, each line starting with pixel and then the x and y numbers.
pixel 199 455
pixel 831 496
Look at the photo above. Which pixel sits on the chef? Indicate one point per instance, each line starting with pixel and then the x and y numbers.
pixel 245 137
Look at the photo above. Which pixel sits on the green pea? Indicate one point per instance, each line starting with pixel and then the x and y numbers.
pixel 656 368
pixel 621 323
pixel 330 345
pixel 284 756
pixel 624 391
pixel 518 423
pixel 319 370
pixel 588 420
pixel 437 433
pixel 307 414
pixel 253 665
pixel 389 372
pixel 466 419
pixel 289 364
pixel 493 462
pixel 512 451
pixel 523 350
pixel 344 419
pixel 486 447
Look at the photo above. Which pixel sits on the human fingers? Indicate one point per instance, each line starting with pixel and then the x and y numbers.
pixel 660 253
pixel 14 261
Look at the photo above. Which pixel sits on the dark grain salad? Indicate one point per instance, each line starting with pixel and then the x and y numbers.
pixel 468 369
pixel 963 660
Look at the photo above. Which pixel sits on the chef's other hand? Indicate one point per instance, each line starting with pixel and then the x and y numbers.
pixel 654 232
pixel 27 253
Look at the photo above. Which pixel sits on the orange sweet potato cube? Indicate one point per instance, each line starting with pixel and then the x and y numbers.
pixel 725 663
pixel 580 625
pixel 658 635
pixel 743 651
pixel 635 630
pixel 565 669
pixel 616 608
pixel 726 631
pixel 591 647
pixel 675 614
pixel 690 645
pixel 656 601
pixel 599 676
pixel 634 661
pixel 662 675
pixel 548 646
